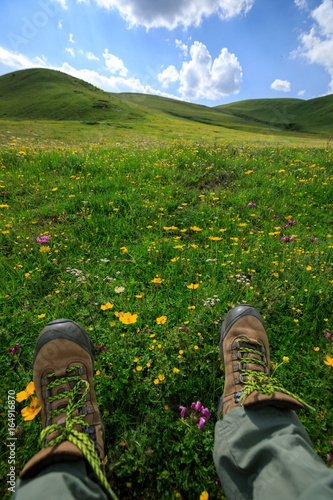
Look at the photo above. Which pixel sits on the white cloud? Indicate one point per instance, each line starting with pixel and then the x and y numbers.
pixel 17 61
pixel 301 4
pixel 62 3
pixel 71 51
pixel 182 47
pixel 169 75
pixel 71 38
pixel 172 13
pixel 114 64
pixel 301 93
pixel 200 78
pixel 60 25
pixel 281 85
pixel 92 57
pixel 317 45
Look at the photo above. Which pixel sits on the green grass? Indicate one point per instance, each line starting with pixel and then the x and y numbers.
pixel 43 94
pixel 313 115
pixel 120 212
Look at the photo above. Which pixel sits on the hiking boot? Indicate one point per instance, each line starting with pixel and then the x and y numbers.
pixel 244 349
pixel 63 367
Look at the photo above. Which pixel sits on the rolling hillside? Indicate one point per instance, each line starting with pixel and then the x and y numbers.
pixel 314 115
pixel 43 94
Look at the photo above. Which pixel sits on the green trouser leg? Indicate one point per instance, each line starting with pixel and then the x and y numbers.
pixel 266 453
pixel 60 481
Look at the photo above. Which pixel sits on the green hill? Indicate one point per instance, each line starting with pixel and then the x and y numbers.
pixel 43 94
pixel 189 111
pixel 312 116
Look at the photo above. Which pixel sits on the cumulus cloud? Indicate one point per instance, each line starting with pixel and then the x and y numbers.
pixel 71 39
pixel 317 45
pixel 202 78
pixel 17 61
pixel 172 13
pixel 301 93
pixel 169 75
pixel 114 64
pixel 281 85
pixel 109 84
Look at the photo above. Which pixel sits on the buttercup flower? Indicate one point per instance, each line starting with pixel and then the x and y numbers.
pixel 29 390
pixel 161 320
pixel 106 306
pixel 329 361
pixel 193 286
pixel 128 318
pixel 30 412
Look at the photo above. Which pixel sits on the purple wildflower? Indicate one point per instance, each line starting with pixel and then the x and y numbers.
pixel 183 410
pixel 13 350
pixel 276 216
pixel 327 335
pixel 202 422
pixel 196 406
pixel 43 239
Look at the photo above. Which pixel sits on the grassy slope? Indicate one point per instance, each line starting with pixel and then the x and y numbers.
pixel 314 115
pixel 42 94
pixel 46 94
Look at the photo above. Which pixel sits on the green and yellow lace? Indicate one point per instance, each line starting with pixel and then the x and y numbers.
pixel 76 398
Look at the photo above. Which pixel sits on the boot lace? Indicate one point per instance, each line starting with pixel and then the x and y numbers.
pixel 76 399
pixel 255 380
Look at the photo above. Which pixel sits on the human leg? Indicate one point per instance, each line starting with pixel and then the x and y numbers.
pixel 73 429
pixel 261 449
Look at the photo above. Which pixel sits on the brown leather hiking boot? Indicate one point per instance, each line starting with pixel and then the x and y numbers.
pixel 245 354
pixel 73 429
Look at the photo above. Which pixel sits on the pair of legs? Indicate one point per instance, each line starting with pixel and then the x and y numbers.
pixel 261 449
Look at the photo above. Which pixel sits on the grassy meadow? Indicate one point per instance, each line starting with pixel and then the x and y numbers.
pixel 152 238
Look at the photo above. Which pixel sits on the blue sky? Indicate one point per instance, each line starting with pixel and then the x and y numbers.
pixel 209 52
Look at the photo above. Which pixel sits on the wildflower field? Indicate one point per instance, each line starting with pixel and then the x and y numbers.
pixel 147 245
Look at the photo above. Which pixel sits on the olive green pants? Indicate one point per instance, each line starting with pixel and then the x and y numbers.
pixel 266 454
pixel 261 454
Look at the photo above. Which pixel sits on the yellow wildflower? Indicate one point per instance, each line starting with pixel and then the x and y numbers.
pixel 128 318
pixel 193 286
pixel 30 412
pixel 329 361
pixel 29 390
pixel 161 320
pixel 107 306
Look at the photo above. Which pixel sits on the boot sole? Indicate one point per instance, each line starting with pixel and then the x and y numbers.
pixel 65 329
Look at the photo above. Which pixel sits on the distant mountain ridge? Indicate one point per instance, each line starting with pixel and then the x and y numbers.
pixel 43 94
